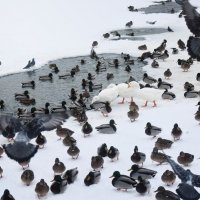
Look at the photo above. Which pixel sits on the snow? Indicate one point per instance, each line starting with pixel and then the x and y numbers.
pixel 47 30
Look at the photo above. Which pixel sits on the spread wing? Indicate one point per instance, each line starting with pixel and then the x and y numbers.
pixel 192 18
pixel 193 45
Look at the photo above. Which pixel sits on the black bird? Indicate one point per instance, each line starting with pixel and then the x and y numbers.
pixel 41 140
pixel 106 35
pixel 102 150
pixel 152 23
pixel 21 149
pixel 86 129
pixel 58 184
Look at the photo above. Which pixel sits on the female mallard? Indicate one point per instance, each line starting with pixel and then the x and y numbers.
pixel 73 151
pixel 70 175
pixel 27 176
pixel 102 150
pixel 176 132
pixel 7 196
pixel 86 129
pixel 58 167
pixel 158 157
pixel 185 158
pixel 41 188
pixel 138 157
pixel 41 140
pixel 97 163
pixel 163 144
pixel 63 132
pixel 168 177
pixel 92 178
pixel 162 194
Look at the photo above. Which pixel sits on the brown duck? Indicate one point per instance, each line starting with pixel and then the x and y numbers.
pixel 163 144
pixel 27 177
pixel 158 157
pixel 97 162
pixel 68 141
pixel 176 132
pixel 185 158
pixel 63 132
pixel 41 188
pixel 168 177
pixel 58 167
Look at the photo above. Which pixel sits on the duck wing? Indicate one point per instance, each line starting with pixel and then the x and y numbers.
pixel 193 45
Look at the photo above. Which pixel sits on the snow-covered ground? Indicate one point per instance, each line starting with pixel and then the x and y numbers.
pixel 48 30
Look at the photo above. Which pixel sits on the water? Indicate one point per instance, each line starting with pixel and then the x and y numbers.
pixel 58 90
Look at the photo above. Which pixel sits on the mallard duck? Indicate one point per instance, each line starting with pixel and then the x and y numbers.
pixel 73 151
pixel 60 108
pixel 148 79
pixel 92 178
pixel 41 188
pixel 145 173
pixel 29 84
pixel 107 128
pixel 63 132
pixel 152 130
pixel 185 65
pixel 164 85
pixel 97 162
pixel 1 172
pixel 58 167
pixel 168 95
pixel 162 144
pixel 41 140
pixel 185 158
pixel 7 196
pixel 163 194
pixel 58 184
pixel 181 44
pixel 70 175
pixel 122 181
pixel 155 64
pixel 168 177
pixel 27 102
pixel 102 150
pixel 46 77
pixel 158 157
pixel 68 141
pixel 164 56
pixel 24 164
pixel 106 109
pixel 191 94
pixel 106 35
pixel 133 115
pixel 143 186
pixel 162 47
pixel 197 115
pixel 176 132
pixel 27 176
pixel 1 151
pixel 188 86
pixel 86 129
pixel 133 106
pixel 24 95
pixel 138 157
pixel 44 110
pixel 113 153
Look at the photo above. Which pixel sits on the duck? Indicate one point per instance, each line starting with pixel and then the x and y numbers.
pixel 63 132
pixel 185 158
pixel 155 64
pixel 1 172
pixel 106 35
pixel 167 73
pixel 109 76
pixel 73 151
pixel 2 104
pixel 198 77
pixel 181 45
pixel 129 24
pixel 197 115
pixel 24 164
pixel 127 68
pixel 122 181
pixel 188 86
pixel 1 151
pixel 41 140
pixel 58 184
pixel 29 84
pixel 106 109
pixel 68 141
pixel 138 157
pixel 164 85
pixel 70 175
pixel 143 47
pixel 7 196
pixel 175 51
pixel 185 65
pixel 168 28
pixel 92 178
pixel 54 67
pixel 145 173
pixel 152 130
pixel 162 47
pixel 176 132
pixel 93 86
pixel 27 176
pixel 102 150
pixel 86 129
pixel 133 106
pixel 158 157
pixel 168 95
pixel 163 194
pixel 143 186
pixel 41 188
pixel 97 105
pixel 148 79
pixel 27 102
pixel 107 128
pixel 168 177
pixel 97 163
pixel 133 115
pixel 58 167
pixel 24 95
pixel 46 77
pixel 191 94
pixel 90 76
pixel 113 153
pixel 162 144
pixel 82 117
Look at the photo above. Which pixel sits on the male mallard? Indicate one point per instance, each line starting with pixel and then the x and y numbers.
pixel 138 157
pixel 92 178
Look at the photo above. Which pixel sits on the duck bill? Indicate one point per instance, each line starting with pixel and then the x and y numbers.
pixel 111 176
pixel 129 170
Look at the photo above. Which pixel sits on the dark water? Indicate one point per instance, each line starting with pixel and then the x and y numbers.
pixel 58 90
pixel 137 33
pixel 159 8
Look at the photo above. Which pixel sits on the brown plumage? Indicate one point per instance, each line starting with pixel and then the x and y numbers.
pixel 97 162
pixel 158 157
pixel 68 141
pixel 163 144
pixel 63 132
pixel 1 151
pixel 167 74
pixel 176 132
pixel 25 164
pixel 41 188
pixel 27 102
pixel 73 151
pixel 58 167
pixel 133 115
pixel 1 172
pixel 7 196
pixel 185 158
pixel 133 106
pixel 27 177
pixel 168 177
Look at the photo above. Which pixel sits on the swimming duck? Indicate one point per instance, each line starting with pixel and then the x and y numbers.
pixel 191 94
pixel 181 44
pixel 29 84
pixel 122 181
pixel 133 115
pixel 44 110
pixel 152 130
pixel 63 132
pixel 58 184
pixel 168 177
pixel 41 188
pixel 92 178
pixel 1 172
pixel 7 196
pixel 113 153
pixel 107 128
pixel 27 102
pixel 68 141
pixel 176 132
pixel 106 109
pixel 41 140
pixel 97 162
pixel 102 150
pixel 24 95
pixel 145 173
pixel 143 47
pixel 157 156
pixel 90 76
pixel 73 95
pixel 164 85
pixel 73 151
pixel 162 144
pixel 148 79
pixel 93 86
pixel 188 86
pixel 185 158
pixel 138 157
pixel 46 77
pixel 163 194
pixel 54 67
pixel 168 95
pixel 1 151
pixel 27 176
pixel 143 186
pixel 155 64
pixel 70 175
pixel 167 74
pixel 127 68
pixel 86 129
pixel 58 167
